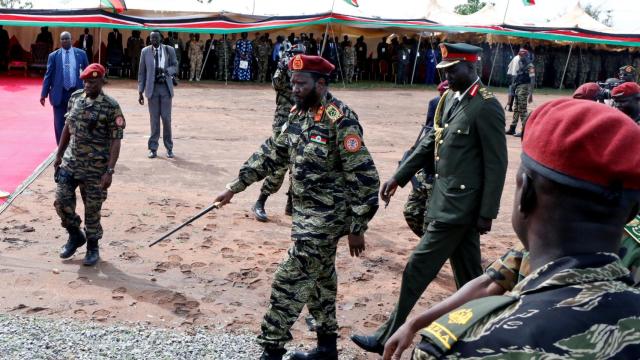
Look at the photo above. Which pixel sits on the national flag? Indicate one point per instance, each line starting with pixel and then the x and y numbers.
pixel 117 6
pixel 529 2
pixel 352 2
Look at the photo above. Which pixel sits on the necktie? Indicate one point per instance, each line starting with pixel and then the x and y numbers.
pixel 67 71
pixel 453 108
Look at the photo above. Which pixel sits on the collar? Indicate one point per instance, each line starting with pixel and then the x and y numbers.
pixel 574 270
pixel 97 99
pixel 459 97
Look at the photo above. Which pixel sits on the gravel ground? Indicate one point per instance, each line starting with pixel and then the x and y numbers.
pixel 36 338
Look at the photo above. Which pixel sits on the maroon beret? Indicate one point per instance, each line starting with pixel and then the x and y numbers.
pixel 583 144
pixel 587 91
pixel 443 86
pixel 310 63
pixel 94 70
pixel 625 89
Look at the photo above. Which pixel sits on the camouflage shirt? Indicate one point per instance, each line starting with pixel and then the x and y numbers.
pixel 514 265
pixel 282 86
pixel 334 181
pixel 93 125
pixel 576 307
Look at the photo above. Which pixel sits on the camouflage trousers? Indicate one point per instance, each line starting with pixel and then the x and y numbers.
pixel 415 209
pixel 348 72
pixel 263 69
pixel 520 104
pixel 92 196
pixel 306 277
pixel 196 65
pixel 273 182
pixel 223 68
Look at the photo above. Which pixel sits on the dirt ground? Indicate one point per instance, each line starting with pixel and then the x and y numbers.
pixel 217 272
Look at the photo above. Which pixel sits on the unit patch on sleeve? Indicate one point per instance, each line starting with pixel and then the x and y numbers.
pixel 352 143
pixel 318 139
pixel 333 113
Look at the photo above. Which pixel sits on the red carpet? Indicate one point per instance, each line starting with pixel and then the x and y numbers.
pixel 26 131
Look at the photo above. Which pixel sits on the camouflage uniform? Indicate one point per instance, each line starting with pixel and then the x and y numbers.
pixel 584 68
pixel 223 58
pixel 596 65
pixel 415 209
pixel 572 72
pixel 589 296
pixel 92 126
pixel 334 192
pixel 522 83
pixel 540 62
pixel 195 57
pixel 263 50
pixel 282 86
pixel 558 65
pixel 348 62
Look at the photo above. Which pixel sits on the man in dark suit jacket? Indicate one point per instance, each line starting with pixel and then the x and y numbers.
pixel 158 66
pixel 467 152
pixel 62 79
pixel 86 43
pixel 45 37
pixel 115 50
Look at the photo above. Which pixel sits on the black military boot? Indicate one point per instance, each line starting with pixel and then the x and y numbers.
pixel 288 209
pixel 76 239
pixel 258 208
pixel 326 350
pixel 368 343
pixel 93 254
pixel 511 131
pixel 510 103
pixel 273 353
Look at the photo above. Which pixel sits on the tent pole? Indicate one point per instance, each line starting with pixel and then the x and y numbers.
pixel 205 59
pixel 344 84
pixel 326 29
pixel 493 64
pixel 226 67
pixel 415 61
pixel 564 72
pixel 100 47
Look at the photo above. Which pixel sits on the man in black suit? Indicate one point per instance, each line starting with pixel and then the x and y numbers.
pixel 86 43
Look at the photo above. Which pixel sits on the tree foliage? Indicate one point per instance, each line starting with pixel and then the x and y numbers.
pixel 599 14
pixel 16 4
pixel 470 7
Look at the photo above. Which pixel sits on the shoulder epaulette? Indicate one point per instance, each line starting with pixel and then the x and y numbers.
pixel 293 109
pixel 486 94
pixel 77 92
pixel 333 112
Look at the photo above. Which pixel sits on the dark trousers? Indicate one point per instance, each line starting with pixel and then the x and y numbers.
pixel 458 243
pixel 59 111
pixel 160 107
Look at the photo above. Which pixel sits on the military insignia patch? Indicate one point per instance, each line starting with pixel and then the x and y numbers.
pixel 297 63
pixel 94 74
pixel 120 121
pixel 633 228
pixel 319 114
pixel 486 94
pixel 461 316
pixel 628 69
pixel 293 109
pixel 318 139
pixel 334 113
pixel 352 143
pixel 474 90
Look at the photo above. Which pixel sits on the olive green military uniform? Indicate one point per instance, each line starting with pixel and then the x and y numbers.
pixel 282 86
pixel 93 124
pixel 417 205
pixel 575 307
pixel 468 149
pixel 540 62
pixel 196 49
pixel 223 54
pixel 263 50
pixel 349 62
pixel 334 192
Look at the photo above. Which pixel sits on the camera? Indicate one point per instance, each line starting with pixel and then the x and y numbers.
pixel 606 87
pixel 160 76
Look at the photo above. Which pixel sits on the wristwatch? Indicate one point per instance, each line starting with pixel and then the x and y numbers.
pixel 110 171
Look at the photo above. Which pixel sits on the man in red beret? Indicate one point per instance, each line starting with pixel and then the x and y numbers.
pixel 626 98
pixel 573 197
pixel 86 159
pixel 334 185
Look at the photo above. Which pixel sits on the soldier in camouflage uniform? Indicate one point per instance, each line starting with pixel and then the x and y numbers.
pixel 523 83
pixel 539 62
pixel 223 53
pixel 263 50
pixel 284 102
pixel 86 157
pixel 576 279
pixel 415 209
pixel 348 61
pixel 334 186
pixel 196 48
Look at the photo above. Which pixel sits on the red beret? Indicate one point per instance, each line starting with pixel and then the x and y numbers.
pixel 310 63
pixel 583 144
pixel 587 91
pixel 94 70
pixel 625 89
pixel 443 86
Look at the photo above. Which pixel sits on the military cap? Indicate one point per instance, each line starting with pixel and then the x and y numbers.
pixel 627 69
pixel 625 89
pixel 311 63
pixel 587 91
pixel 94 70
pixel 583 144
pixel 297 49
pixel 454 53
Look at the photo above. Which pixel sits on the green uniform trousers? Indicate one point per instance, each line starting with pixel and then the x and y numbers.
pixel 306 277
pixel 458 243
pixel 520 108
pixel 92 196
